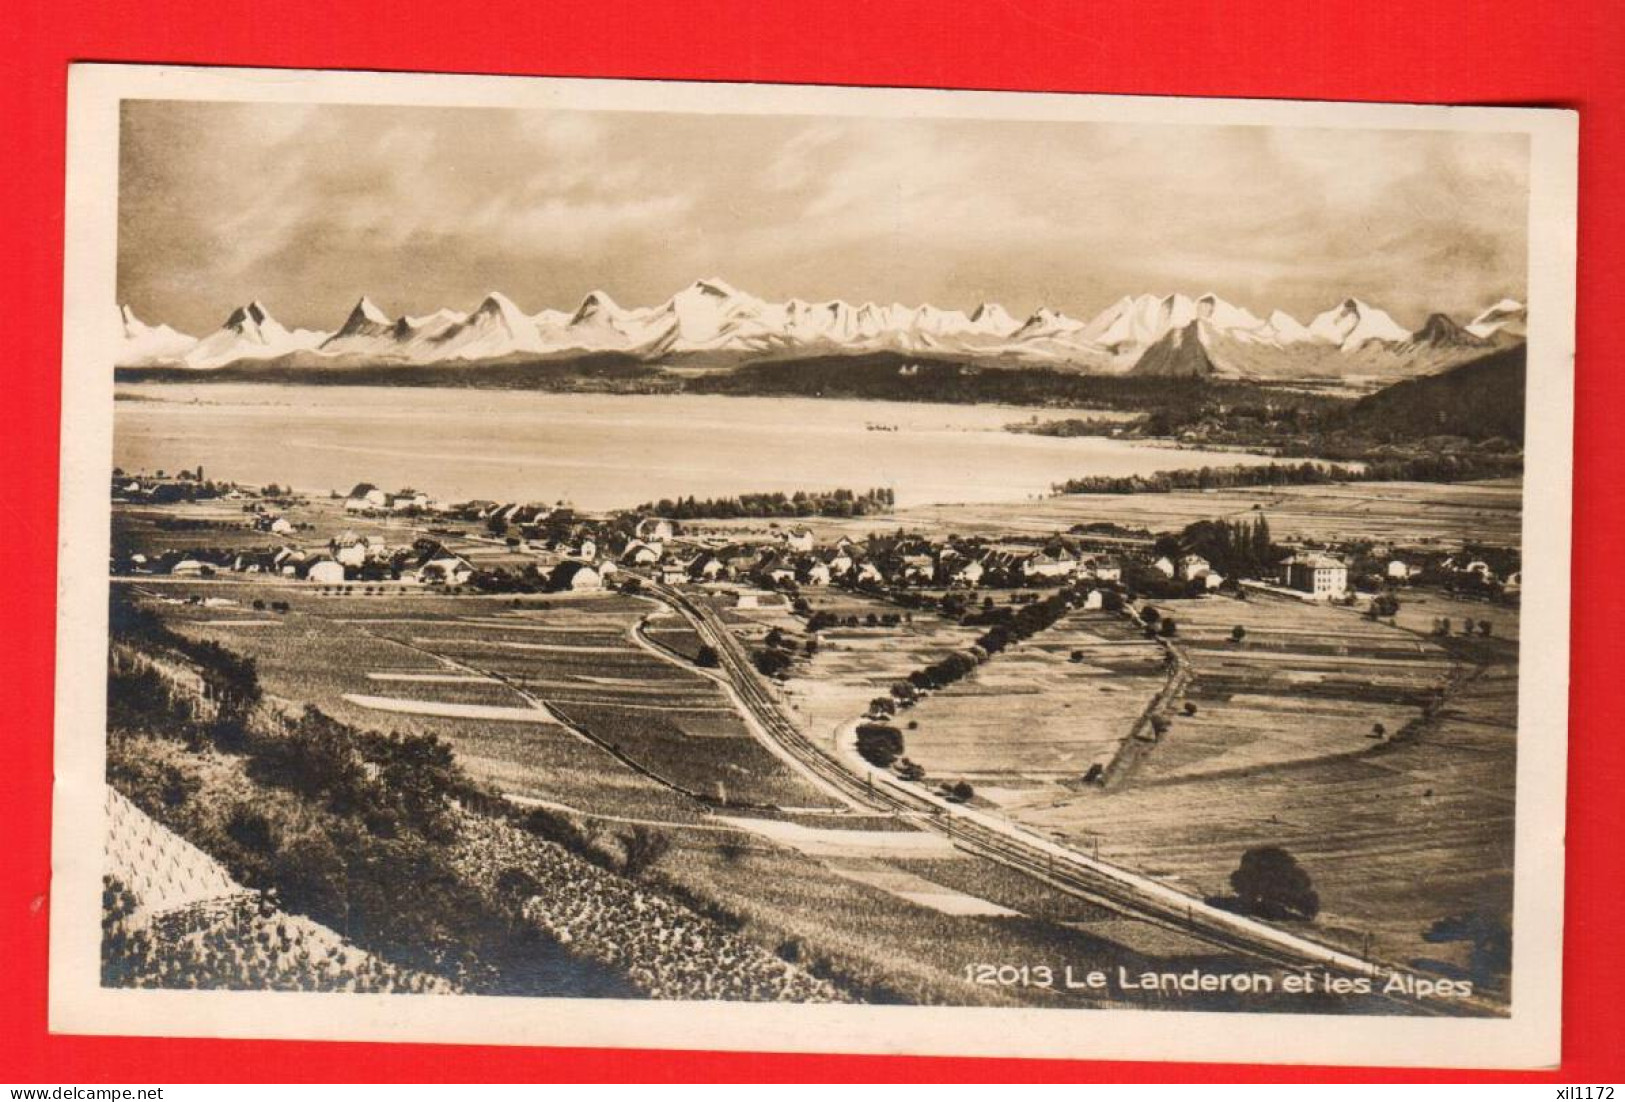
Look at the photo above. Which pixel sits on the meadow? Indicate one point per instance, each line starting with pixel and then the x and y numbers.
pixel 1042 712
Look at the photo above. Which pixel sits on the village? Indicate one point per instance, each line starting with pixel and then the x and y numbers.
pixel 802 675
pixel 408 537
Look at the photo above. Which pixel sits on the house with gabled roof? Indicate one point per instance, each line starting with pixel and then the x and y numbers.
pixel 798 538
pixel 643 553
pixel 1043 564
pixel 575 576
pixel 654 529
pixel 437 566
pixel 1193 566
pixel 706 567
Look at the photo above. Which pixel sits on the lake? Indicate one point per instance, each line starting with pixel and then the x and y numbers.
pixel 603 451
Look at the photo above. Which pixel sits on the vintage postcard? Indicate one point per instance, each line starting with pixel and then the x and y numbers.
pixel 781 568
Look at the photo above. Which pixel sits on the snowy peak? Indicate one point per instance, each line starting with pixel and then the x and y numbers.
pixel 596 306
pixel 709 313
pixel 142 344
pixel 713 323
pixel 1223 315
pixel 1506 319
pixel 1044 322
pixel 1282 328
pixel 1439 331
pixel 366 311
pixel 993 318
pixel 254 321
pixel 1353 324
pixel 365 319
pixel 1132 324
pixel 498 307
pixel 712 288
pixel 249 333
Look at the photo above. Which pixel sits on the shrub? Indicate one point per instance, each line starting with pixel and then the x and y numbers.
pixel 770 662
pixel 879 744
pixel 644 847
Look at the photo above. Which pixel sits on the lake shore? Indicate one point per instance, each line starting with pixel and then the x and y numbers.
pixel 600 451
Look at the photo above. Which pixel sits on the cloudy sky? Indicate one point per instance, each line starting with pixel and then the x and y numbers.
pixel 308 207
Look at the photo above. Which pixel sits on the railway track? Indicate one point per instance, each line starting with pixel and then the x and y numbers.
pixel 1088 878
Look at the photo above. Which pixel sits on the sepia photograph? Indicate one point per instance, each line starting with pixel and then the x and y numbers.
pixel 726 565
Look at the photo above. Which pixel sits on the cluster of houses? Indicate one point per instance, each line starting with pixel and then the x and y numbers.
pixel 345 558
pixel 164 489
pixel 794 559
pixel 581 553
pixel 369 501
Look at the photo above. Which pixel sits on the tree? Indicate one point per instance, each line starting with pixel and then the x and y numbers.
pixel 1271 884
pixel 1238 633
pixel 771 663
pixel 643 849
pixel 879 744
pixel 1169 627
pixel 706 657
pixel 961 792
pixel 1149 616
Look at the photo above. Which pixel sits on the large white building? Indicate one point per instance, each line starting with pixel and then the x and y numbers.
pixel 1320 575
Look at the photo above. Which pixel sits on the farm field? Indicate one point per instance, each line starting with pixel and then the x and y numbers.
pixel 1031 717
pixel 1419 607
pixel 1367 819
pixel 223 523
pixel 911 925
pixel 853 664
pixel 667 629
pixel 1305 682
pixel 899 910
pixel 382 662
pixel 1403 513
pixel 1411 514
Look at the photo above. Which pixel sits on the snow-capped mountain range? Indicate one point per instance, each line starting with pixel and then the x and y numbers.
pixel 711 322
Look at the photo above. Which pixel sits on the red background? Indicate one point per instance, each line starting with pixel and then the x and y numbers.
pixel 1558 54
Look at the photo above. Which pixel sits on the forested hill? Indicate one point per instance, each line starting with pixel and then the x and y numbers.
pixel 1480 400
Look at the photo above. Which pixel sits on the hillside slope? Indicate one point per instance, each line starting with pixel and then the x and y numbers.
pixel 1480 399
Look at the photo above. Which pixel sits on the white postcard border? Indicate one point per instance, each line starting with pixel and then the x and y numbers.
pixel 1528 1038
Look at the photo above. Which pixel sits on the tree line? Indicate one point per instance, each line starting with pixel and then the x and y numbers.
pixel 1455 467
pixel 802 503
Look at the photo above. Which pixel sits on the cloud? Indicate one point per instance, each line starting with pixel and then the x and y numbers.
pixel 309 206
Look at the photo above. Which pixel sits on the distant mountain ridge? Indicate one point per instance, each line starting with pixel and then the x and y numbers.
pixel 713 324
